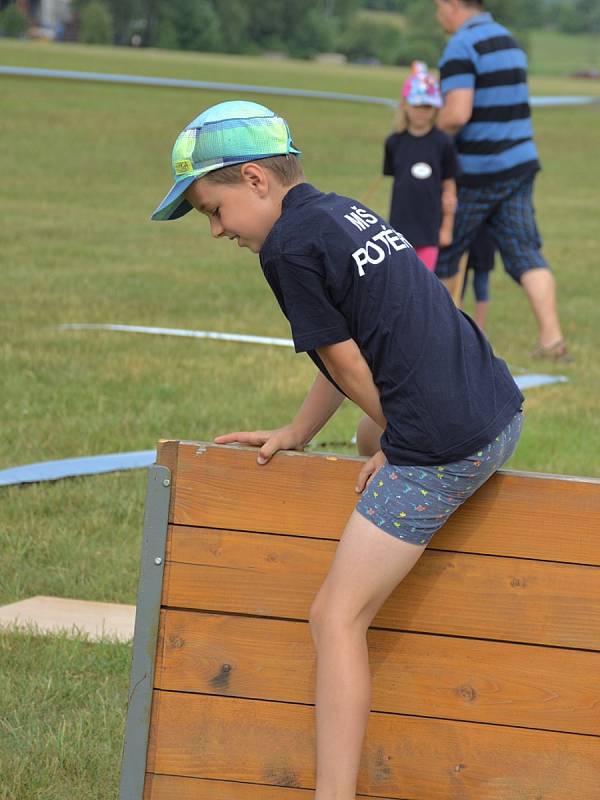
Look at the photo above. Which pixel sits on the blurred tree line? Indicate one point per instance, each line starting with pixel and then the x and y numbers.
pixel 388 31
pixel 299 28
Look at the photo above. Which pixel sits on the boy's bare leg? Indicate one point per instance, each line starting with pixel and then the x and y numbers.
pixel 449 284
pixel 367 566
pixel 368 435
pixel 540 288
pixel 481 312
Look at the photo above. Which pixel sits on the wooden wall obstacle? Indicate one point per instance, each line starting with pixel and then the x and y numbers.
pixel 485 660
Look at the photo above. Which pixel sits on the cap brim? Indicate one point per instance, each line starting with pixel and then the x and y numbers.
pixel 174 205
pixel 424 100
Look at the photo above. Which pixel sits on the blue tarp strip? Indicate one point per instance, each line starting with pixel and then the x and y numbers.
pixel 531 381
pixel 74 467
pixel 114 462
pixel 178 83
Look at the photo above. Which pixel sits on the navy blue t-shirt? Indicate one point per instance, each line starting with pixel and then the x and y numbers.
pixel 419 164
pixel 339 271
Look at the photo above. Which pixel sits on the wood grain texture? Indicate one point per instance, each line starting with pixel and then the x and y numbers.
pixel 459 594
pixel 434 676
pixel 485 659
pixel 310 495
pixel 404 757
pixel 169 787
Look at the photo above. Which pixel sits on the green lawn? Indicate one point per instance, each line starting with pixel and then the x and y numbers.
pixel 553 58
pixel 554 54
pixel 83 166
pixel 62 713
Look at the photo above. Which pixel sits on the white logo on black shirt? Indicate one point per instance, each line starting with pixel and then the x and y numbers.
pixel 360 218
pixel 421 170
pixel 373 252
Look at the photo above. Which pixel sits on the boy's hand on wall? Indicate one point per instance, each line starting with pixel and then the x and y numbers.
pixel 367 473
pixel 286 438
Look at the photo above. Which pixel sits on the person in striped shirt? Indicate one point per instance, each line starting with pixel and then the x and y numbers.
pixel 483 74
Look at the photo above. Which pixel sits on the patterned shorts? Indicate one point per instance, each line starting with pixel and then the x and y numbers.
pixel 412 503
pixel 507 209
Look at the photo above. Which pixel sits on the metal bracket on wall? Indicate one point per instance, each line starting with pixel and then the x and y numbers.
pixel 156 519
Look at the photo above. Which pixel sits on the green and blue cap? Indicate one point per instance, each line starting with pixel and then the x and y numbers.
pixel 228 133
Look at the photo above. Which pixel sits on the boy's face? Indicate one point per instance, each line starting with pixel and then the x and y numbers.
pixel 244 211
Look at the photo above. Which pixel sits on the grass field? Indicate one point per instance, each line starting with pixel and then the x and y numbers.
pixel 82 168
pixel 553 54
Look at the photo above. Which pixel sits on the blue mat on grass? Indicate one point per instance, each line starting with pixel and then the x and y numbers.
pixel 114 462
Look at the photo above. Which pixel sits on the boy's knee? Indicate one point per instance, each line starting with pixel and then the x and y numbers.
pixel 331 624
pixel 322 619
pixel 316 617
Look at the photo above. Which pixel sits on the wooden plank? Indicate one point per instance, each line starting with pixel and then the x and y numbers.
pixel 450 593
pixel 169 787
pixel 435 676
pixel 404 757
pixel 528 516
pixel 278 497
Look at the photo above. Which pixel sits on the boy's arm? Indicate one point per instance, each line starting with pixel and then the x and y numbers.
pixel 448 211
pixel 321 402
pixel 457 110
pixel 348 368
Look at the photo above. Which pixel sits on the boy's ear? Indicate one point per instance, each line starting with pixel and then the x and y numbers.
pixel 255 175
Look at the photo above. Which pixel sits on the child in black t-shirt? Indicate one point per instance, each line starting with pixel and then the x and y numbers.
pixel 480 263
pixel 383 332
pixel 423 161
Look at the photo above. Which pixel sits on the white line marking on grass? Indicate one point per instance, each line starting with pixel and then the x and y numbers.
pixel 178 83
pixel 146 80
pixel 225 337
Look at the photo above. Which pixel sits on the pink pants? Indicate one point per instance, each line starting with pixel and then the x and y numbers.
pixel 429 256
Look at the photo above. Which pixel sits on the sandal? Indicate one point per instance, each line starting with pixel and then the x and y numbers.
pixel 555 352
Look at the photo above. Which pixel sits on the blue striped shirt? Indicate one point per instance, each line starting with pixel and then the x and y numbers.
pixel 497 142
